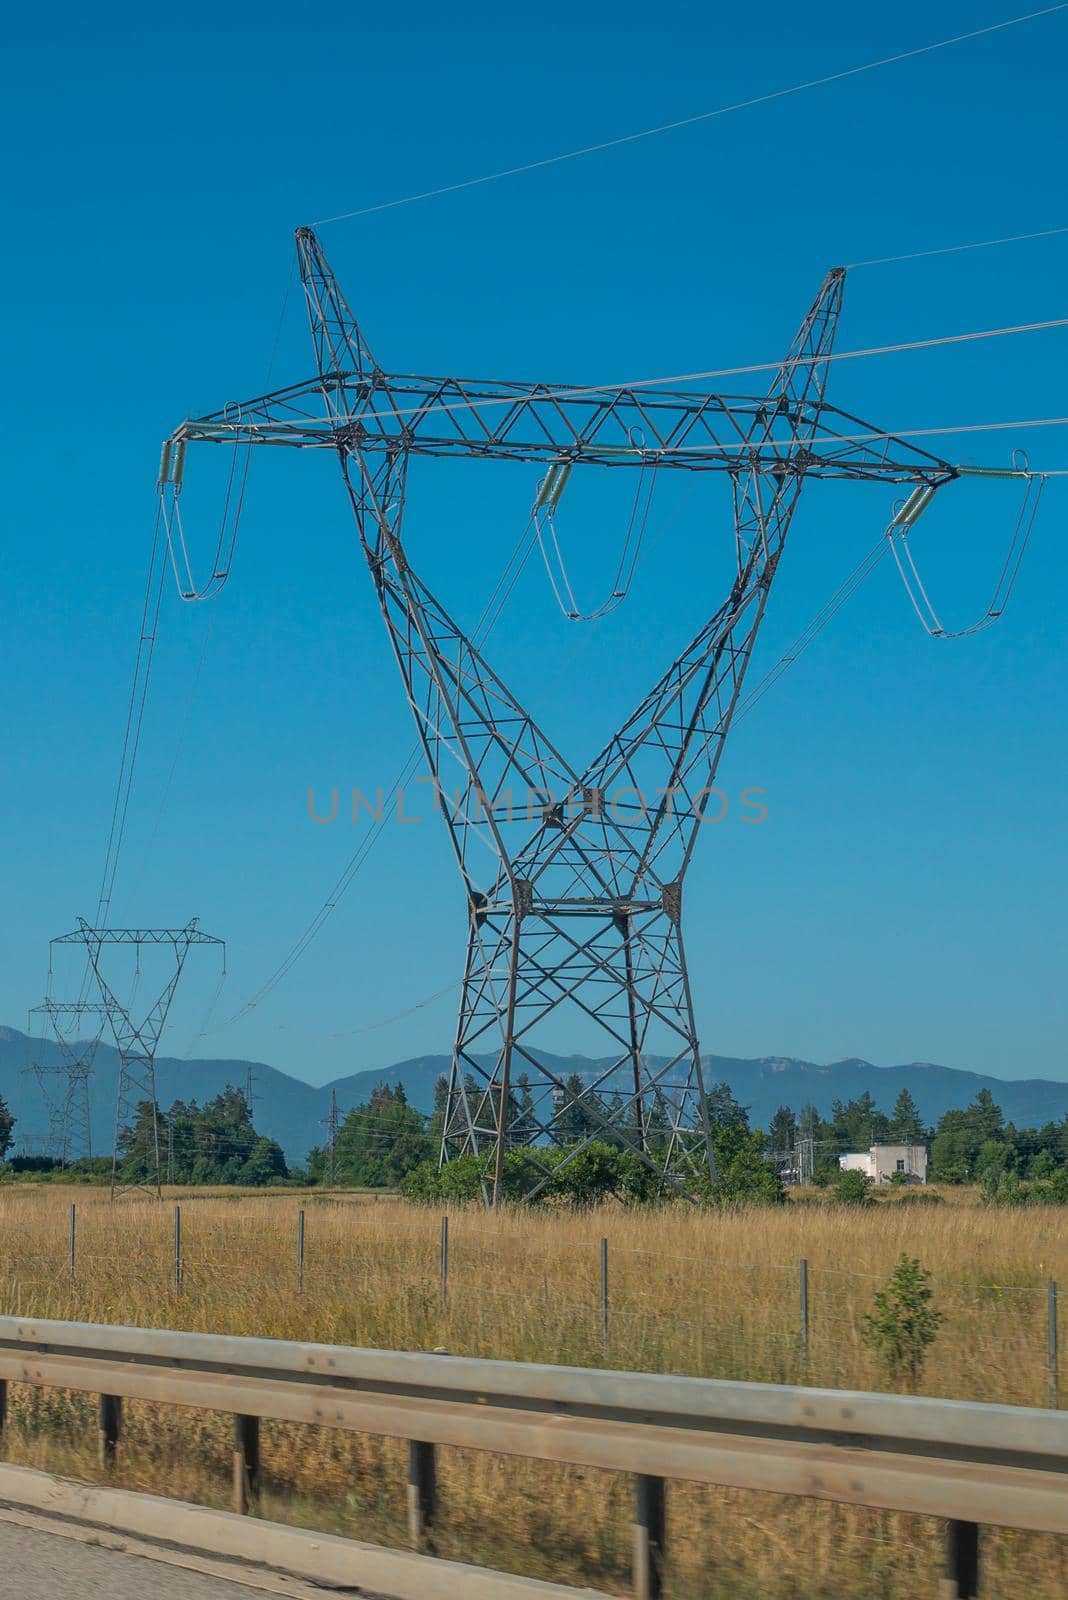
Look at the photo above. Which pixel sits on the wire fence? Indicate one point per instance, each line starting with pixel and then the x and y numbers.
pixel 585 1301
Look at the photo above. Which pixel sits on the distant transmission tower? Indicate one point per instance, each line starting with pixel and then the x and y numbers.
pixel 137 1042
pixel 573 875
pixel 64 1085
pixel 249 1091
pixel 332 1123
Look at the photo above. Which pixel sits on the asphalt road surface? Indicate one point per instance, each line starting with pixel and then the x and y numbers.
pixel 37 1565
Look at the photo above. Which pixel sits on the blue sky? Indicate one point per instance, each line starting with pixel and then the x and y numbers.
pixel 905 898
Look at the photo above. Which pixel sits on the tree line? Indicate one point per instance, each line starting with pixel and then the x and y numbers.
pixel 970 1145
pixel 214 1143
pixel 386 1143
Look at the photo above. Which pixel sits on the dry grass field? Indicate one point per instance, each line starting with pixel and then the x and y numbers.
pixel 707 1294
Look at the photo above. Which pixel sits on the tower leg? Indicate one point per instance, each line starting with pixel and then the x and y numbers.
pixel 536 981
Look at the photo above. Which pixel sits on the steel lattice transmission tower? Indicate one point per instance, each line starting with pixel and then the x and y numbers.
pixel 137 1042
pixel 574 895
pixel 332 1123
pixel 69 1123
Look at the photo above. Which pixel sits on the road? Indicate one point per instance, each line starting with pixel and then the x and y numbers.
pixel 42 1565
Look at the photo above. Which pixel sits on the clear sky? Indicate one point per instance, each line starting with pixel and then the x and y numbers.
pixel 905 898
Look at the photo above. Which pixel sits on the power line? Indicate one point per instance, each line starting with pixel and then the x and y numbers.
pixel 955 249
pixel 687 122
pixel 577 391
pixel 146 645
pixel 356 861
pixel 491 615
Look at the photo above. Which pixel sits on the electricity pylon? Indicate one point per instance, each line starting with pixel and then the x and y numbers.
pixel 69 1111
pixel 573 875
pixel 332 1123
pixel 137 1042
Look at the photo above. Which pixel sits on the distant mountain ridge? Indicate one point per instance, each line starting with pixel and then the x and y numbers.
pixel 291 1111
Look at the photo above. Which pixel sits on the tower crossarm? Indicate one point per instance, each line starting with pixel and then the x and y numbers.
pixel 190 934
pixel 541 423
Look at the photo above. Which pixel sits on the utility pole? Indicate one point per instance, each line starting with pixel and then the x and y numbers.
pixel 572 874
pixel 137 1042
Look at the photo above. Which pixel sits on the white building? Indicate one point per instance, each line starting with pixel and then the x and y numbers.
pixel 882 1161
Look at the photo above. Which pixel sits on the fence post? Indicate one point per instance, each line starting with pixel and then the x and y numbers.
pixel 110 1428
pixel 422 1493
pixel 803 1276
pixel 177 1249
pixel 3 1404
pixel 70 1251
pixel 443 1266
pixel 246 1462
pixel 604 1291
pixel 650 1537
pixel 961 1580
pixel 1051 1342
pixel 300 1252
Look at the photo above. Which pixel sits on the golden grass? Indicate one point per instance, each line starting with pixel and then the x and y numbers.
pixel 707 1294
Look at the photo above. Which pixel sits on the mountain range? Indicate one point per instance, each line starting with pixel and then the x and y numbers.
pixel 291 1111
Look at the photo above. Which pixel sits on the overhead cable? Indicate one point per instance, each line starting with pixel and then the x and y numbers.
pixel 491 615
pixel 956 249
pixel 146 644
pixel 582 391
pixel 688 122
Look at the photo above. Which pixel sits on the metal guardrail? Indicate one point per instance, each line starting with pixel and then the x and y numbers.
pixel 969 1463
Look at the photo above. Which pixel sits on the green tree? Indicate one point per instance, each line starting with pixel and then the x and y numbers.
pixel 985 1116
pixel 380 1142
pixel 782 1130
pixel 808 1122
pixel 903 1323
pixel 859 1124
pixel 1042 1165
pixel 853 1188
pixel 906 1124
pixel 524 1125
pixel 266 1164
pixel 441 1107
pixel 7 1127
pixel 137 1144
pixel 990 1162
pixel 724 1110
pixel 213 1143
pixel 573 1120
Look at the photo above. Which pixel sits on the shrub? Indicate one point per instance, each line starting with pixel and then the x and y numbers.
pixel 598 1171
pixel 903 1323
pixel 921 1197
pixel 853 1189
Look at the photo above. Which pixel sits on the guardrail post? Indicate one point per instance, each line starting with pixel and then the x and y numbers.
pixel 110 1428
pixel 961 1581
pixel 803 1275
pixel 650 1537
pixel 300 1252
pixel 1051 1343
pixel 443 1263
pixel 246 1462
pixel 604 1291
pixel 422 1492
